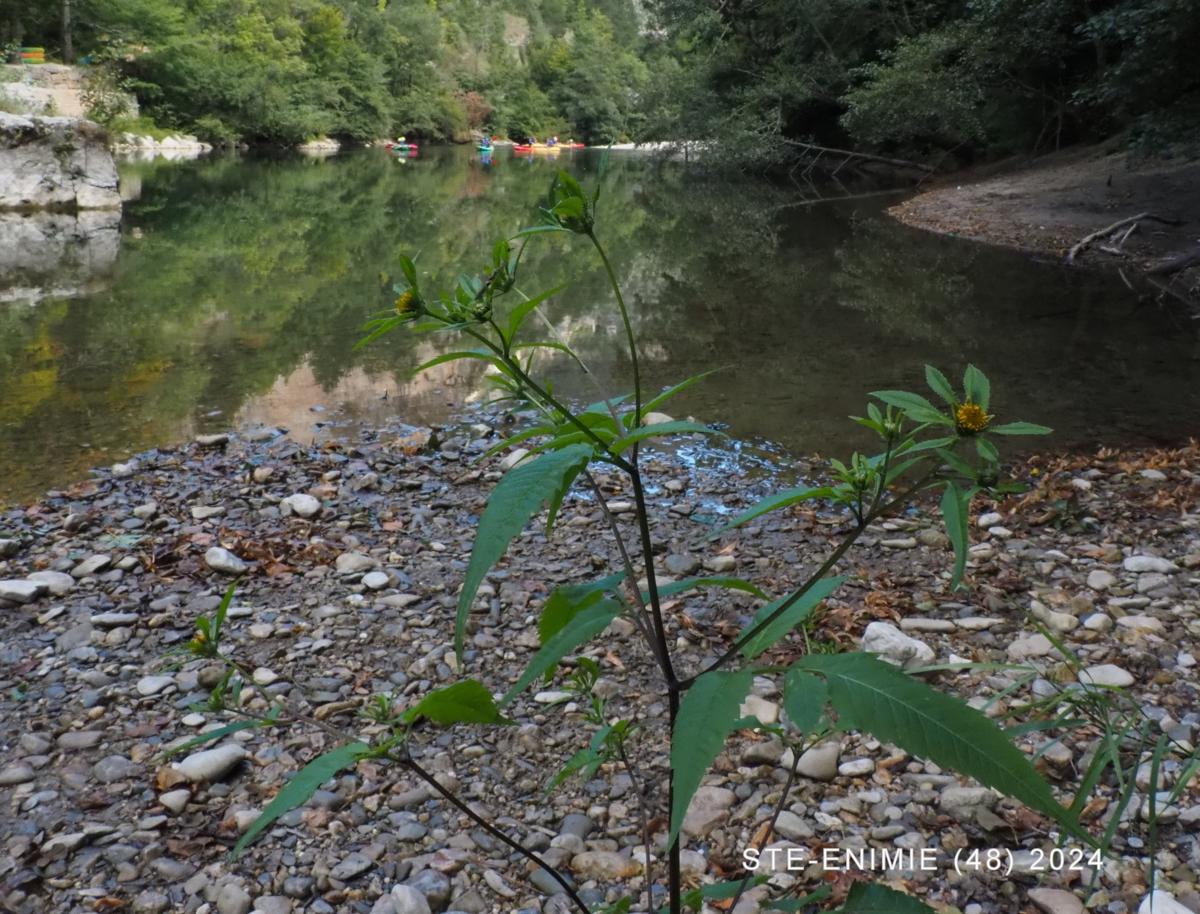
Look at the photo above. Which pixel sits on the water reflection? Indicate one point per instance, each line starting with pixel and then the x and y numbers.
pixel 240 287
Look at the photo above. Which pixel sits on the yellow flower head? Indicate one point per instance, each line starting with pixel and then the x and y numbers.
pixel 405 302
pixel 970 418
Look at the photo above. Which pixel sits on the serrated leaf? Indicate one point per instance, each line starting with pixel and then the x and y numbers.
pixel 914 406
pixel 676 587
pixel 977 387
pixel 1020 428
pixel 517 497
pixel 296 791
pixel 209 736
pixel 774 503
pixel 579 629
pixel 955 517
pixel 804 699
pixel 707 714
pixel 800 609
pixel 873 898
pixel 987 450
pixel 567 601
pixel 660 430
pixel 655 402
pixel 466 702
pixel 872 695
pixel 940 385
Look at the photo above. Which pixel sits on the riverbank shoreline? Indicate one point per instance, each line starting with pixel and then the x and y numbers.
pixel 351 553
pixel 1049 205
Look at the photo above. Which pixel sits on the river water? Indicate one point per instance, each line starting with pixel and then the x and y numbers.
pixel 232 291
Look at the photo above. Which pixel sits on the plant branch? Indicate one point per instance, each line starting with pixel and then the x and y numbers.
pixel 633 354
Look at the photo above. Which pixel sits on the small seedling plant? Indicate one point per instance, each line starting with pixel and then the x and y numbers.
pixel 946 444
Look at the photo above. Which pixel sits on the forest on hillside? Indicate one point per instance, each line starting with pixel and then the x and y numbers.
pixel 925 78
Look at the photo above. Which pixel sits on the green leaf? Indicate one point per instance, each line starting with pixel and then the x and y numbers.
pixel 674 587
pixel 517 317
pixel 661 429
pixel 409 269
pixel 221 613
pixel 301 787
pixel 1020 428
pixel 940 385
pixel 987 450
pixel 564 603
pixel 517 497
pixel 707 714
pixel 209 736
pixel 875 696
pixel 774 503
pixel 579 629
pixel 800 609
pixel 955 507
pixel 587 760
pixel 796 905
pixel 977 387
pixel 480 354
pixel 873 898
pixel 466 702
pixel 654 403
pixel 537 230
pixel 804 699
pixel 914 406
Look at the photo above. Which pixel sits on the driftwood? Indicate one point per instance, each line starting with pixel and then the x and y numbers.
pixel 1175 264
pixel 850 155
pixel 1131 221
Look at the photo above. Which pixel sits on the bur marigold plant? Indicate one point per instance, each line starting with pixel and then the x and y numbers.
pixel 923 447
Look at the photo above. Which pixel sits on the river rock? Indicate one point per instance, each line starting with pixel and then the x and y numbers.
pixel 1099 579
pixel 211 764
pixel 375 580
pixel 175 800
pixel 607 865
pixel 1056 901
pixel 709 807
pixel 152 685
pixel 224 561
pixel 55 163
pixel 56 582
pixel 895 647
pixel 15 774
pixel 1140 564
pixel 304 505
pixel 819 763
pixel 233 899
pixel 354 563
pixel 1160 902
pixel 21 591
pixel 406 900
pixel 1106 674
pixel 93 564
pixel 1029 647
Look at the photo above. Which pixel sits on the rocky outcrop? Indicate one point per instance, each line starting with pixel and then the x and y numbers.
pixel 55 163
pixel 178 146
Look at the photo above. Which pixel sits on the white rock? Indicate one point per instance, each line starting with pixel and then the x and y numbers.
pixel 146 511
pixel 1099 579
pixel 720 564
pixel 93 564
pixel 375 580
pixel 767 712
pixel 204 512
pixel 1056 901
pixel 656 419
pixel 175 800
pixel 1030 646
pixel 1106 674
pixel 407 900
pixel 708 809
pixel 1143 563
pixel 990 519
pixel 820 763
pixel 55 162
pixel 1144 624
pixel 21 591
pixel 1059 622
pixel 124 470
pixel 152 685
pixel 511 459
pixel 856 767
pixel 790 825
pixel 56 582
pixel 224 561
pixel 211 764
pixel 303 504
pixel 354 563
pixel 1154 475
pixel 212 440
pixel 264 676
pixel 895 647
pixel 1160 902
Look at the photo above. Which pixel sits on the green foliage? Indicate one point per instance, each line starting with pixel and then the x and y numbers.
pixel 297 791
pixel 463 702
pixel 872 898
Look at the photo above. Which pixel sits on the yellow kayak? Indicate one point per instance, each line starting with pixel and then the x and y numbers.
pixel 538 149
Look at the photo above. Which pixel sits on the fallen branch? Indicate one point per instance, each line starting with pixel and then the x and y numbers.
pixel 1175 264
pixel 851 154
pixel 1115 227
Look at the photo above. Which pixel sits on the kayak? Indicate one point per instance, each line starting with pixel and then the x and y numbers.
pixel 485 148
pixel 538 149
pixel 402 147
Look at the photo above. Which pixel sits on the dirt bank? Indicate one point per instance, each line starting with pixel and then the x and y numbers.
pixel 1050 204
